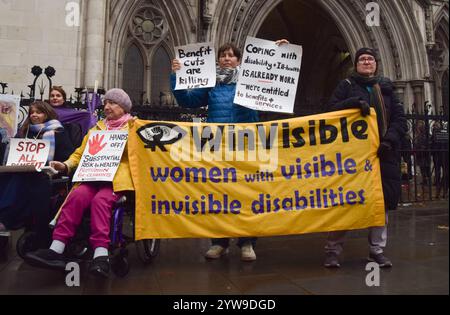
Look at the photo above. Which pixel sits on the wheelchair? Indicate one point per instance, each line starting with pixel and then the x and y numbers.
pixel 59 187
pixel 28 241
pixel 27 218
pixel 147 249
pixel 79 250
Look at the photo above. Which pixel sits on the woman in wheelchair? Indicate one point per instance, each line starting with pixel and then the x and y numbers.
pixel 27 195
pixel 98 196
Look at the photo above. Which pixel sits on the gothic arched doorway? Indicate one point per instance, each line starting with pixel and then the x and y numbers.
pixel 326 57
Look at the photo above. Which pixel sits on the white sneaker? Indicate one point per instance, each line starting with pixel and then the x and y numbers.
pixel 247 253
pixel 216 251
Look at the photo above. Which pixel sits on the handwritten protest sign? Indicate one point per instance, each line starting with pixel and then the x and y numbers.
pixel 206 180
pixel 269 75
pixel 9 111
pixel 198 66
pixel 101 157
pixel 25 152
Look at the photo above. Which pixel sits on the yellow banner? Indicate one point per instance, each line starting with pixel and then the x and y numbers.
pixel 310 174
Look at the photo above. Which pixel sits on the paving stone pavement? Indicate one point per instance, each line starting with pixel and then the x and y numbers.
pixel 286 265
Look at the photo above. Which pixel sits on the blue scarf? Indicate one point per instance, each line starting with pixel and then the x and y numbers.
pixel 46 131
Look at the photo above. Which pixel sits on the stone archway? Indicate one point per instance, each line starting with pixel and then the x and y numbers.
pixel 326 58
pixel 398 39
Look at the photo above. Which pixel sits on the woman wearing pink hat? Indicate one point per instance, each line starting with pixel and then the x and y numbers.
pixel 98 196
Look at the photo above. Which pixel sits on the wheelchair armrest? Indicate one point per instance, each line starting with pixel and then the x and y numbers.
pixel 59 180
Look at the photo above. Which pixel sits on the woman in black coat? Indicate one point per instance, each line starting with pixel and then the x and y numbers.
pixel 364 87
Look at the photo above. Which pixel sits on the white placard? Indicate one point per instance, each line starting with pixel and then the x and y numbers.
pixel 101 157
pixel 9 113
pixel 269 76
pixel 28 152
pixel 198 66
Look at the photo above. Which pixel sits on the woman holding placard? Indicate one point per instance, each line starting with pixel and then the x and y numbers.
pixel 98 196
pixel 221 109
pixel 25 195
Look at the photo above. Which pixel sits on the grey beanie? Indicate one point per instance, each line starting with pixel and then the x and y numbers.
pixel 120 97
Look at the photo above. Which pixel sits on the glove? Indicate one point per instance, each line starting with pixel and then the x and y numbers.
pixel 365 108
pixel 384 149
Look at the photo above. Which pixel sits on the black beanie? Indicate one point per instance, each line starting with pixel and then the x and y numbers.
pixel 364 51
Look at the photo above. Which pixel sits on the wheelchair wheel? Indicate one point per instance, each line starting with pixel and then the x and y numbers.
pixel 26 243
pixel 147 250
pixel 119 263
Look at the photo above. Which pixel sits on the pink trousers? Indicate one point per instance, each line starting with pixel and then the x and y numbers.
pixel 100 198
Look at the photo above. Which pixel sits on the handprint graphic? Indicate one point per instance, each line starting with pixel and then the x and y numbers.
pixel 95 144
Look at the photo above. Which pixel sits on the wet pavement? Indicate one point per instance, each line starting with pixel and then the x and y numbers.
pixel 286 265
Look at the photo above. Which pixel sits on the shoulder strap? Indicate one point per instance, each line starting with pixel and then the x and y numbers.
pixel 384 114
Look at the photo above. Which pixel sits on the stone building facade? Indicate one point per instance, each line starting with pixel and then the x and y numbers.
pixel 130 43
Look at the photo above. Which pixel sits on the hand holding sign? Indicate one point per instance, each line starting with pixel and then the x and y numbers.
pixel 281 42
pixel 95 144
pixel 59 166
pixel 176 65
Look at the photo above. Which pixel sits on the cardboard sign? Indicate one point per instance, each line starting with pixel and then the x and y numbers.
pixel 198 66
pixel 269 76
pixel 9 112
pixel 25 152
pixel 101 157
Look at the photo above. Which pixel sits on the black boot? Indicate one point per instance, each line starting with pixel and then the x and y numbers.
pixel 99 267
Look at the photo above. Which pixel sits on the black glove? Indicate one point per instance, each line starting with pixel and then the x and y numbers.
pixel 384 149
pixel 365 108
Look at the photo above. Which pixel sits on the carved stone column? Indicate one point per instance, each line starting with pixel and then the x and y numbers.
pixel 95 41
pixel 206 17
pixel 418 86
pixel 400 87
pixel 437 57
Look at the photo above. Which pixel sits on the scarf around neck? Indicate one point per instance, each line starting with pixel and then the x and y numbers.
pixel 376 99
pixel 366 81
pixel 85 119
pixel 117 124
pixel 227 75
pixel 46 131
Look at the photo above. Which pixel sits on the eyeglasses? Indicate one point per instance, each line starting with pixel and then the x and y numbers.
pixel 368 59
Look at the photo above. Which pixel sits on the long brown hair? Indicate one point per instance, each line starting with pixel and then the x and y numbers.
pixel 43 107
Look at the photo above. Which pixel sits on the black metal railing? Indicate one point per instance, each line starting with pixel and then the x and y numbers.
pixel 424 157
